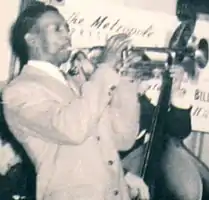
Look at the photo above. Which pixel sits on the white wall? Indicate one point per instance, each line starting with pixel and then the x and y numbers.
pixel 8 10
pixel 168 6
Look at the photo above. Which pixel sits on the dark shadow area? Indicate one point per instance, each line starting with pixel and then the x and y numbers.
pixel 199 6
pixel 20 179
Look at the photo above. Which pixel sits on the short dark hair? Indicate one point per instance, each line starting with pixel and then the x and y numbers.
pixel 23 24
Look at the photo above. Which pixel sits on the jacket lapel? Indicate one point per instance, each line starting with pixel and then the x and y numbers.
pixel 61 90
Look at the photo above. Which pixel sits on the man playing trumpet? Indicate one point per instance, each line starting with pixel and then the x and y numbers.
pixel 72 133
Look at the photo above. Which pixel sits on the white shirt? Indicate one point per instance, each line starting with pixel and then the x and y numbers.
pixel 49 68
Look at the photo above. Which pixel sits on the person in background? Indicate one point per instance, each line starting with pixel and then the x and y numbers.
pixel 72 137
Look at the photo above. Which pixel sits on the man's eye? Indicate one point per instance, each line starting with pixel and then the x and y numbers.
pixel 67 28
pixel 53 28
pixel 62 29
pixel 58 29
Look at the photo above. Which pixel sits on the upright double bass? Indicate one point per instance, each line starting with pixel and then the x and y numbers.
pixel 154 148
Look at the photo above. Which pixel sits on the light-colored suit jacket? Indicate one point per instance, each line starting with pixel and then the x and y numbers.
pixel 74 140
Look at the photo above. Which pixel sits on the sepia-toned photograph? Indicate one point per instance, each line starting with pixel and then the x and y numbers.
pixel 104 100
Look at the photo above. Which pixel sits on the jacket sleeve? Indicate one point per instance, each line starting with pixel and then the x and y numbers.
pixel 180 113
pixel 182 118
pixel 32 109
pixel 124 115
pixel 176 115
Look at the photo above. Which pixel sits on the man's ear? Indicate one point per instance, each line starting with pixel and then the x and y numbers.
pixel 30 38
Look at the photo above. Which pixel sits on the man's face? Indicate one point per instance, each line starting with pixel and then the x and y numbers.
pixel 53 38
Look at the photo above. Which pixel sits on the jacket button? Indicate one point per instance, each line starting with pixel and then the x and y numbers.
pixel 112 87
pixel 111 90
pixel 110 162
pixel 116 192
pixel 98 138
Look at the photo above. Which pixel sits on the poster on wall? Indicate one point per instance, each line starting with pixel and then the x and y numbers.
pixel 93 28
pixel 200 103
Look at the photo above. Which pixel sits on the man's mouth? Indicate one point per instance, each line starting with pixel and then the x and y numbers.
pixel 66 47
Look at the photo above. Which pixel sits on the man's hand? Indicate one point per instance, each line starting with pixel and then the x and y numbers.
pixel 113 49
pixel 177 74
pixel 137 187
pixel 179 95
pixel 143 87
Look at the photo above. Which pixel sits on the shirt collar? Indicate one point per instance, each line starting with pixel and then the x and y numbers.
pixel 48 68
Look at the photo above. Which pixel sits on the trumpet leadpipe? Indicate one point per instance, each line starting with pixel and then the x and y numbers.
pixel 163 50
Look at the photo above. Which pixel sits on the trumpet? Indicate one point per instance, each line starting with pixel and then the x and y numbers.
pixel 161 59
pixel 183 44
pixel 163 56
pixel 196 51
